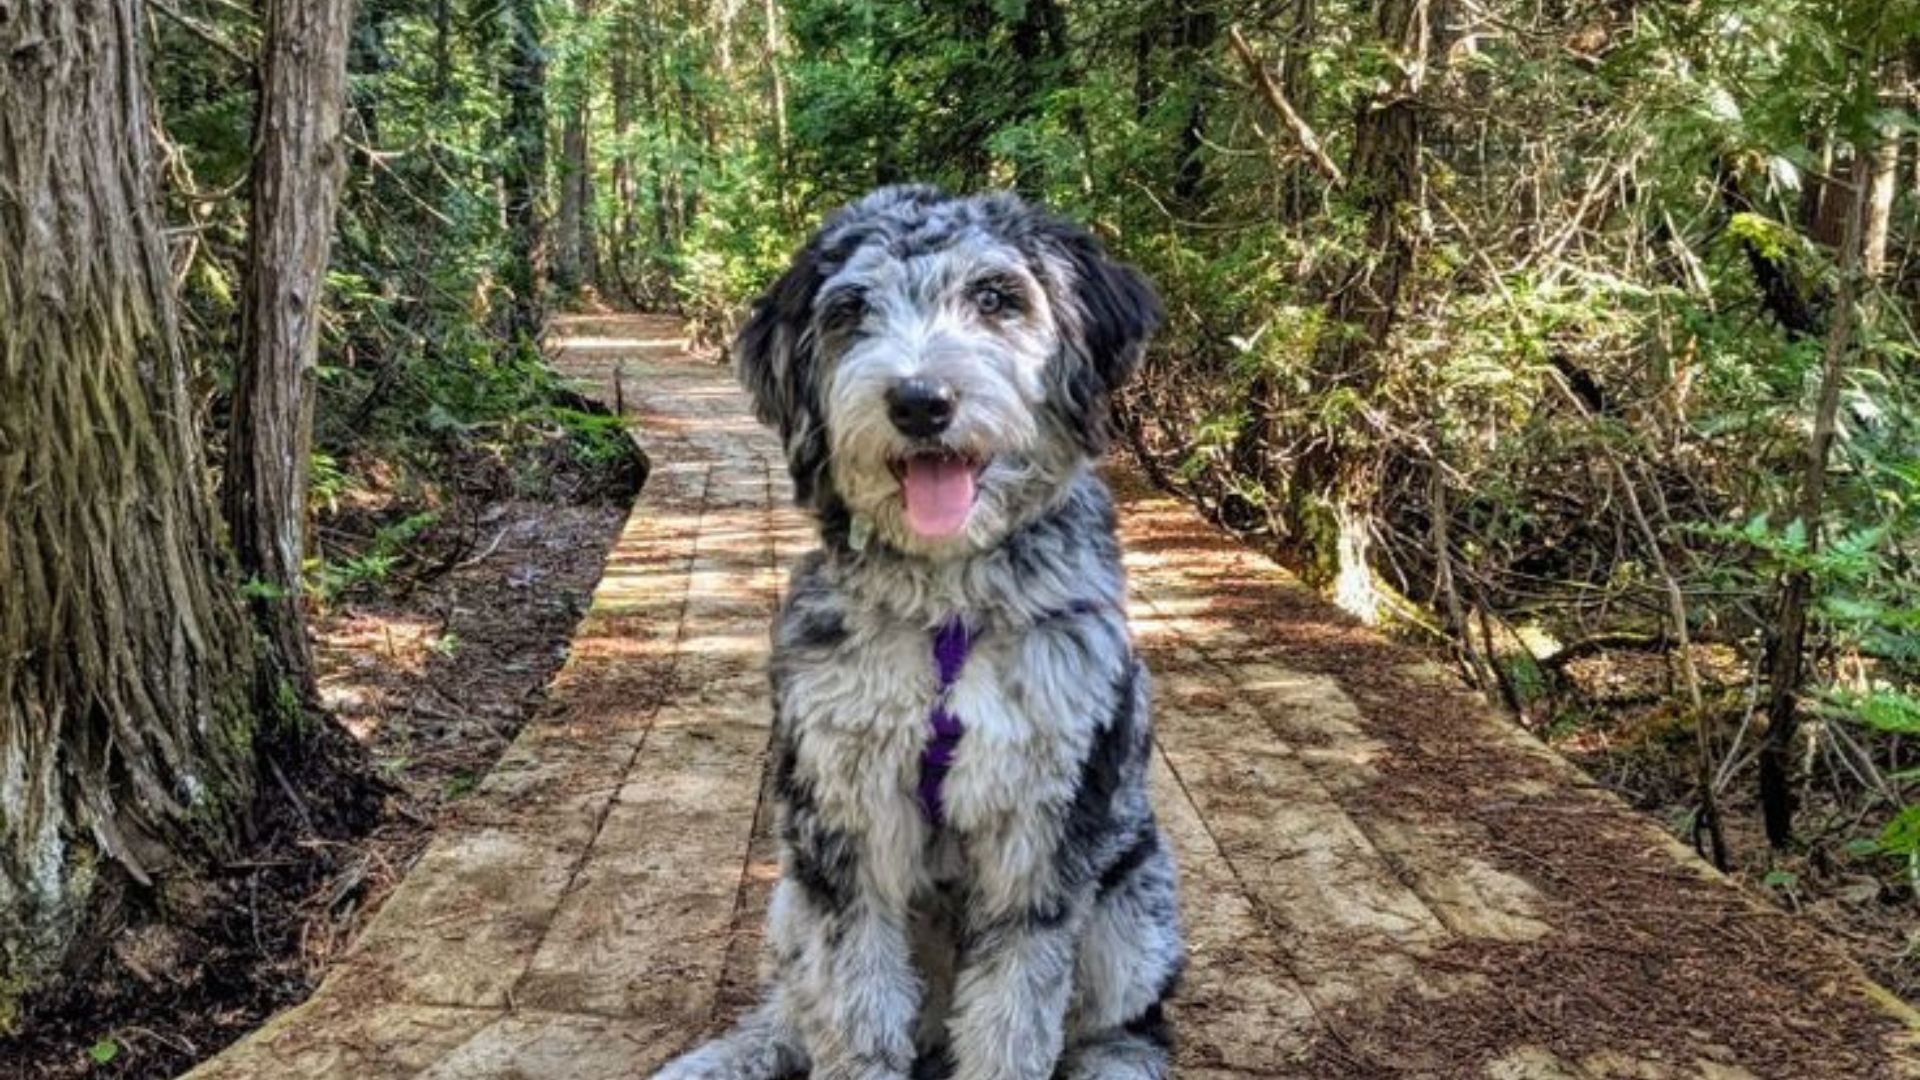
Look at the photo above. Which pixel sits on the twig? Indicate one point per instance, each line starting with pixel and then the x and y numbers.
pixel 1709 817
pixel 299 805
pixel 491 548
pixel 253 909
pixel 1302 133
pixel 194 27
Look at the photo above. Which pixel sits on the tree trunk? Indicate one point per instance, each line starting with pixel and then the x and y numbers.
pixel 1787 641
pixel 298 168
pixel 524 170
pixel 1302 187
pixel 777 90
pixel 1199 34
pixel 126 695
pixel 1386 176
pixel 442 51
pixel 1331 489
pixel 1883 181
pixel 626 193
pixel 574 256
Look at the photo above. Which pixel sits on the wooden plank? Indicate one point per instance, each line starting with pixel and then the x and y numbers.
pixel 534 1045
pixel 1238 1008
pixel 333 1037
pixel 644 930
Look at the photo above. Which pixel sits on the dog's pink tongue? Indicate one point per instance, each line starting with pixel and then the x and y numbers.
pixel 939 494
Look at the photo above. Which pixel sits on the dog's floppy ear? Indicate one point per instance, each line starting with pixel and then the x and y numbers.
pixel 1114 307
pixel 1105 312
pixel 773 353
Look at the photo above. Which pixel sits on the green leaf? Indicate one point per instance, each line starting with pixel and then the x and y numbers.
pixel 103 1052
pixel 1888 711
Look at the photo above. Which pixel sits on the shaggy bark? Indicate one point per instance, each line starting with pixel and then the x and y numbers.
pixel 626 193
pixel 130 672
pixel 1883 180
pixel 298 167
pixel 777 97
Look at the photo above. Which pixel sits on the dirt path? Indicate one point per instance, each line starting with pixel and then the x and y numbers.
pixel 1381 878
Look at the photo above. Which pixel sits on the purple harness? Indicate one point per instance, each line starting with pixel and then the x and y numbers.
pixel 951 644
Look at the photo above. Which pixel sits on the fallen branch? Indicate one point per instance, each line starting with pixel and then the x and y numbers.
pixel 1302 133
pixel 1606 641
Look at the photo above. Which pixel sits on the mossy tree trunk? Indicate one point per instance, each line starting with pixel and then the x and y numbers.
pixel 1342 485
pixel 128 670
pixel 298 166
pixel 1327 514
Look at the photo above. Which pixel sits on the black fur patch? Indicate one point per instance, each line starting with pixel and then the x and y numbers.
pixel 1152 1024
pixel 825 861
pixel 1136 855
pixel 1090 823
pixel 1117 311
pixel 812 617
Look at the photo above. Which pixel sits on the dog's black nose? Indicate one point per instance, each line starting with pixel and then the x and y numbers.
pixel 920 408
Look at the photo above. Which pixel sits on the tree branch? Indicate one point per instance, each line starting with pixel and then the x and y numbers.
pixel 204 33
pixel 1271 91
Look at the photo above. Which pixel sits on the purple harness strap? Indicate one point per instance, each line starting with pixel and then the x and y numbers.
pixel 951 644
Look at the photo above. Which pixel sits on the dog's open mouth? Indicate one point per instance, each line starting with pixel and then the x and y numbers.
pixel 938 488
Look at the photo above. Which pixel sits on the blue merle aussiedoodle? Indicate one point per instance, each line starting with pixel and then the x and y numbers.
pixel 972 883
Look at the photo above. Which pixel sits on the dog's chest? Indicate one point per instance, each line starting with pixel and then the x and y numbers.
pixel 862 716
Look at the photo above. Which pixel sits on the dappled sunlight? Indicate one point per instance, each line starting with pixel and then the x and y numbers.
pixel 571 344
pixel 392 640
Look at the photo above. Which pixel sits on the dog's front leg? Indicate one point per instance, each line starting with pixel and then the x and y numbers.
pixel 851 981
pixel 1010 1000
pixel 864 994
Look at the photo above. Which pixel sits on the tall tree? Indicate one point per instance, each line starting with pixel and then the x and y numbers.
pixel 298 167
pixel 621 88
pixel 128 671
pixel 523 172
pixel 1386 180
pixel 574 263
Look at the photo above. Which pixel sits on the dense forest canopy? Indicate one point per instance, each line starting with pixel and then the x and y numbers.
pixel 1573 337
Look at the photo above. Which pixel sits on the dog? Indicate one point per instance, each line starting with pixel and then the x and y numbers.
pixel 972 883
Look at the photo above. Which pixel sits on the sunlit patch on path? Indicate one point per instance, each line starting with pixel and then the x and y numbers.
pixel 1381 878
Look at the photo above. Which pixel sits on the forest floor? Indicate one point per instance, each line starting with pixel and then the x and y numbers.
pixel 458 591
pixel 1381 877
pixel 1626 732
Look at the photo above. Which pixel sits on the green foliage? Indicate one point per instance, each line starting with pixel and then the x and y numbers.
pixel 1604 266
pixel 1613 217
pixel 330 581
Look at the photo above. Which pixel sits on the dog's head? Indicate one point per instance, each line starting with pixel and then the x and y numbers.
pixel 941 366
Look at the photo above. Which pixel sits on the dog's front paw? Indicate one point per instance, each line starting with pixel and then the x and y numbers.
pixel 756 1050
pixel 705 1063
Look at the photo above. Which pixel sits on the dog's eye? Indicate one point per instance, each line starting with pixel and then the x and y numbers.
pixel 845 310
pixel 992 299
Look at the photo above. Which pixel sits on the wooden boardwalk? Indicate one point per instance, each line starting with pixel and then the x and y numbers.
pixel 1381 878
